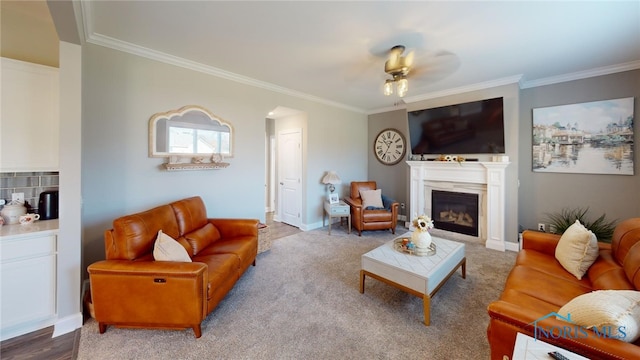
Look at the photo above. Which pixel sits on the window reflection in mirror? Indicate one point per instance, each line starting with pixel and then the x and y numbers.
pixel 189 131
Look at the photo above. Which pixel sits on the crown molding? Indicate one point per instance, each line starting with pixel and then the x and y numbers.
pixel 98 39
pixel 606 70
pixel 454 91
pixel 467 88
pixel 106 41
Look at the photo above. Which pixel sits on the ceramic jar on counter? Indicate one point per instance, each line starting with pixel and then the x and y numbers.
pixel 12 211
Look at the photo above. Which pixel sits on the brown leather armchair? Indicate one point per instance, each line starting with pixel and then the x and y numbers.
pixel 371 219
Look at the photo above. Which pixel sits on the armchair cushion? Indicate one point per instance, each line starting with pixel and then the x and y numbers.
pixel 577 249
pixel 387 202
pixel 168 249
pixel 619 310
pixel 372 199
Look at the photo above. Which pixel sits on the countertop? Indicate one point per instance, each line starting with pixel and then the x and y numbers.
pixel 37 226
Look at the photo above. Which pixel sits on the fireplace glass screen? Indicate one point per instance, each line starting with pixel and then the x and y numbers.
pixel 455 211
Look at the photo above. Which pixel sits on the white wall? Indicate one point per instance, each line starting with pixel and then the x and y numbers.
pixel 70 233
pixel 122 91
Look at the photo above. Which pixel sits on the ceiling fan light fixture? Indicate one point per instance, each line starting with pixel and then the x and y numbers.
pixel 388 87
pixel 403 86
pixel 398 67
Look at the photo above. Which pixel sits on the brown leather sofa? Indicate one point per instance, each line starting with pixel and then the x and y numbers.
pixel 363 219
pixel 130 289
pixel 538 285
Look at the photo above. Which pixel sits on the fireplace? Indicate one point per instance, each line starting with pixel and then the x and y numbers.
pixel 486 179
pixel 455 211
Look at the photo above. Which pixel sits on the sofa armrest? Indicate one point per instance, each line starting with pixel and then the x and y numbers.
pixel 151 293
pixel 540 241
pixel 230 228
pixel 127 267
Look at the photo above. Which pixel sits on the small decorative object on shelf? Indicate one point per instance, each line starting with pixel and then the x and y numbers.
pixel 195 163
pixel 421 237
pixel 451 158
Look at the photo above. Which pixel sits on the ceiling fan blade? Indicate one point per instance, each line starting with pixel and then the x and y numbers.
pixel 414 40
pixel 436 66
pixel 393 60
pixel 408 60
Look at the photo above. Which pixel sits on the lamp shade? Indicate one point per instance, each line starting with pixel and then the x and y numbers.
pixel 331 178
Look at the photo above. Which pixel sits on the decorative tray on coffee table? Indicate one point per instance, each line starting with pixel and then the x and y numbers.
pixel 399 245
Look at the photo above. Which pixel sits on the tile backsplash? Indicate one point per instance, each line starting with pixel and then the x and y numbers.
pixel 29 183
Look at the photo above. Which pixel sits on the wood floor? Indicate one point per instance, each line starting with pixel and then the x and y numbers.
pixel 40 345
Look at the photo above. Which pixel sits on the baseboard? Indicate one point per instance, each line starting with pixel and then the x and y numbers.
pixel 22 329
pixel 495 245
pixel 67 324
pixel 512 246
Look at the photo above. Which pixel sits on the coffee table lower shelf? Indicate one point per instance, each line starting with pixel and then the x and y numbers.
pixel 426 298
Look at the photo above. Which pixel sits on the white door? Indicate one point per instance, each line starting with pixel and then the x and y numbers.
pixel 290 176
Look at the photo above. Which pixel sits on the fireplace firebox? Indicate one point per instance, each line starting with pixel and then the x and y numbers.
pixel 455 211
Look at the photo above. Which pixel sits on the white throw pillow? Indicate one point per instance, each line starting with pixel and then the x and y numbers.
pixel 617 311
pixel 168 249
pixel 577 249
pixel 371 198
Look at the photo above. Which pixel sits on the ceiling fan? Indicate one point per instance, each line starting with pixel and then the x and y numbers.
pixel 433 65
pixel 398 66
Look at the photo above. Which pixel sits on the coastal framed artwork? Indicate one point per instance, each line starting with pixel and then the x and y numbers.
pixel 586 138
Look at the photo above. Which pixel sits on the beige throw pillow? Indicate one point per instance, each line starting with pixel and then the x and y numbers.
pixel 577 249
pixel 371 198
pixel 615 313
pixel 168 249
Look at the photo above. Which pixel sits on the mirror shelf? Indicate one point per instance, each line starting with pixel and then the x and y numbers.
pixel 191 138
pixel 195 163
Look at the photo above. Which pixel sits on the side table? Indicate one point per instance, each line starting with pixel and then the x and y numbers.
pixel 340 210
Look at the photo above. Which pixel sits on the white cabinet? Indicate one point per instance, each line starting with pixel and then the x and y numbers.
pixel 28 287
pixel 29 117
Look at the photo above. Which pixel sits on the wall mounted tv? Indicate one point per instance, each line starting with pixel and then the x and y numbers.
pixel 471 128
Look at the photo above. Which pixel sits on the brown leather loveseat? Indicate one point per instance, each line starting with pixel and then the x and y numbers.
pixel 538 285
pixel 131 289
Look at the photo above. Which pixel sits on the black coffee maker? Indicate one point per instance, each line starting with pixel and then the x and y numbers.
pixel 48 205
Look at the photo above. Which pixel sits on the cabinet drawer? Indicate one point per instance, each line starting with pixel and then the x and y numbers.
pixel 340 210
pixel 28 247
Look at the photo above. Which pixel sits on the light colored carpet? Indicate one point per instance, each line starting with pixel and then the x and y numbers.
pixel 302 301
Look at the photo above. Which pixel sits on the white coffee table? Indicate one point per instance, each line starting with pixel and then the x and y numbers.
pixel 421 276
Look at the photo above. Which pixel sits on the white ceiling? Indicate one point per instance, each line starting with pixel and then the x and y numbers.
pixel 333 51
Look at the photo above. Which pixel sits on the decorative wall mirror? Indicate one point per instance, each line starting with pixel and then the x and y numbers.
pixel 191 137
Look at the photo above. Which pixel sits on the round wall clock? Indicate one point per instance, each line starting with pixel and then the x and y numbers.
pixel 389 147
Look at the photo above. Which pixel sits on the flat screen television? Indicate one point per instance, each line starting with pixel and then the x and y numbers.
pixel 471 128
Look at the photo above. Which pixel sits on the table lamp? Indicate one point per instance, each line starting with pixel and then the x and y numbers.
pixel 331 179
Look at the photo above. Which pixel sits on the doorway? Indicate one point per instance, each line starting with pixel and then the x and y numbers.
pixel 285 165
pixel 290 176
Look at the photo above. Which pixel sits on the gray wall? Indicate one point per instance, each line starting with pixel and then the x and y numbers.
pixel 617 196
pixel 398 120
pixel 122 91
pixel 537 194
pixel 392 179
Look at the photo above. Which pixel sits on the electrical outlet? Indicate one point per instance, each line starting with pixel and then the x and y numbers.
pixel 17 197
pixel 541 227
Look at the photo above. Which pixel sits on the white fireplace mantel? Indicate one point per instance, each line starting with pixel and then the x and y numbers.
pixel 491 174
